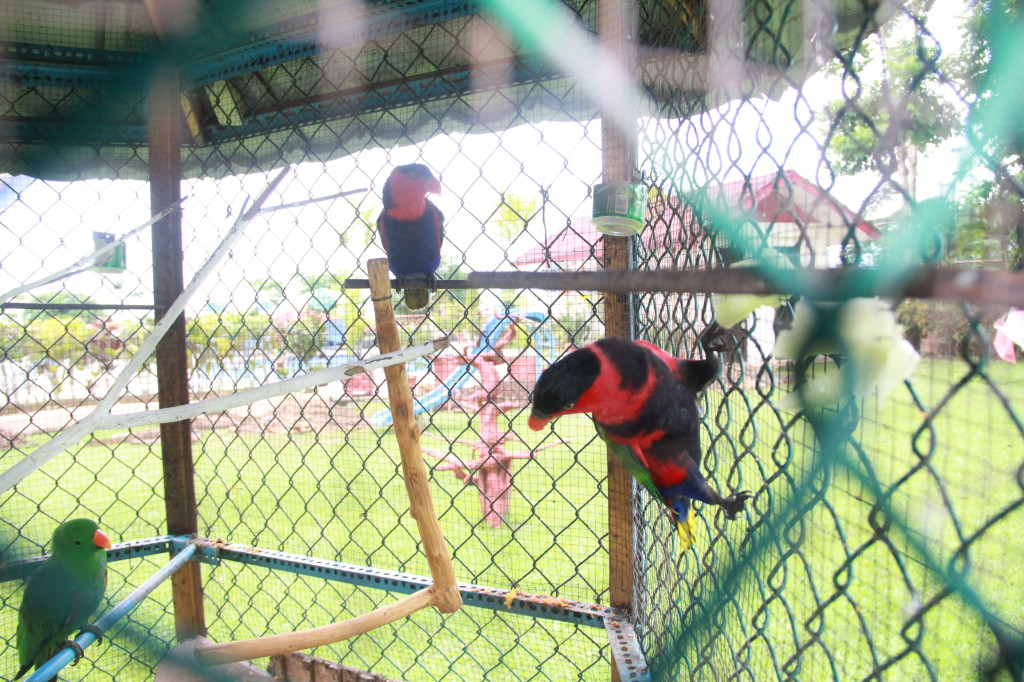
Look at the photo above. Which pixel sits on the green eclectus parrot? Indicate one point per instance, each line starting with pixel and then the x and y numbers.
pixel 643 402
pixel 63 593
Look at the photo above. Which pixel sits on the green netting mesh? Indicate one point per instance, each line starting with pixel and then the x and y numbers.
pixel 883 538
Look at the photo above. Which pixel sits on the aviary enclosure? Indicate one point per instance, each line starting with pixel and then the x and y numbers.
pixel 798 159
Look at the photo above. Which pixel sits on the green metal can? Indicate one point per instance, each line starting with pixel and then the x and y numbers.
pixel 619 208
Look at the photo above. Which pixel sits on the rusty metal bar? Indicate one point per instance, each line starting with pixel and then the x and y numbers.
pixel 944 283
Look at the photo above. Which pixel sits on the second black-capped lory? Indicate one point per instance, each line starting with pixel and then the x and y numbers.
pixel 643 401
pixel 412 230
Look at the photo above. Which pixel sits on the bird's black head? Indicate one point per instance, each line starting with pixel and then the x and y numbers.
pixel 560 386
pixel 417 171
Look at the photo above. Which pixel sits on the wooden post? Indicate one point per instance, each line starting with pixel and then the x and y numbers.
pixel 171 352
pixel 407 431
pixel 618 162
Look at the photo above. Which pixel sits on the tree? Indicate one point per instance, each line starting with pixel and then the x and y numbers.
pixel 70 298
pixel 912 104
pixel 511 217
pixel 508 222
pixel 990 70
pixel 885 124
pixel 360 232
pixel 987 228
pixel 269 293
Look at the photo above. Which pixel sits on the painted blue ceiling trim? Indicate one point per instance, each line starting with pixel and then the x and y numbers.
pixel 71 133
pixel 31 64
pixel 237 55
pixel 431 87
pixel 300 37
pixel 72 56
pixel 122 75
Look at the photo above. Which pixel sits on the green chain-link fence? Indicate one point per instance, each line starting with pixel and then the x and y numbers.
pixel 882 538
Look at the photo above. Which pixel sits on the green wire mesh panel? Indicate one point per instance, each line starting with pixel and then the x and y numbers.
pixel 318 473
pixel 879 540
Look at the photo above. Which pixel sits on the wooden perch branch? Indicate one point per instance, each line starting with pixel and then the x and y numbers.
pixel 444 593
pixel 272 645
pixel 407 431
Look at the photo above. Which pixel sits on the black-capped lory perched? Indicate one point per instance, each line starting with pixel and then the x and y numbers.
pixel 643 401
pixel 412 230
pixel 63 593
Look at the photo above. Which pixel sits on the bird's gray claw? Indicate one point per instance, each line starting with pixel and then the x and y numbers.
pixel 432 282
pixel 735 504
pixel 95 630
pixel 715 338
pixel 75 647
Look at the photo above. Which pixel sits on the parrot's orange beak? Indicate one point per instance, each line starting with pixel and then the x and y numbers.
pixel 538 422
pixel 433 186
pixel 100 539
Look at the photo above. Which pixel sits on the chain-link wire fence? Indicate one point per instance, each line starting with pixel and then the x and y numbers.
pixel 882 538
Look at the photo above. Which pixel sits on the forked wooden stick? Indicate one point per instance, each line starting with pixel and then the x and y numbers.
pixel 272 645
pixel 407 431
pixel 444 593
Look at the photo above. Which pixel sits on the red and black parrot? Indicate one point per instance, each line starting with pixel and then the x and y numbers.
pixel 412 230
pixel 643 401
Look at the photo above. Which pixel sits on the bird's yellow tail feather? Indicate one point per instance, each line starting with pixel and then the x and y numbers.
pixel 687 532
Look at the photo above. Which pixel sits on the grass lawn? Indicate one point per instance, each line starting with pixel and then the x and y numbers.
pixel 830 598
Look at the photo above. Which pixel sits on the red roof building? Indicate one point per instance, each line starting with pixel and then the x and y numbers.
pixel 793 213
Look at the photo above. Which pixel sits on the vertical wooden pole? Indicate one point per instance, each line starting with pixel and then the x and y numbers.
pixel 171 352
pixel 616 23
pixel 407 431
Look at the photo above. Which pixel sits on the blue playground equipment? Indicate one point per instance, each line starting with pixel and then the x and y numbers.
pixel 541 340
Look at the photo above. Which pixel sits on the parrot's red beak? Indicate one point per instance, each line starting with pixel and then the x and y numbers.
pixel 433 186
pixel 100 539
pixel 537 422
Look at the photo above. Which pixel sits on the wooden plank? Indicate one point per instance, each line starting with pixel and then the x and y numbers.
pixel 298 667
pixel 618 163
pixel 171 352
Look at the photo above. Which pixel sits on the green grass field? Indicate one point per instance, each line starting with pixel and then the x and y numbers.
pixel 833 595
pixel 830 598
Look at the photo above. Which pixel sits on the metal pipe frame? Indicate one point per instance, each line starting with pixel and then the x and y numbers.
pixel 62 658
pixel 625 649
